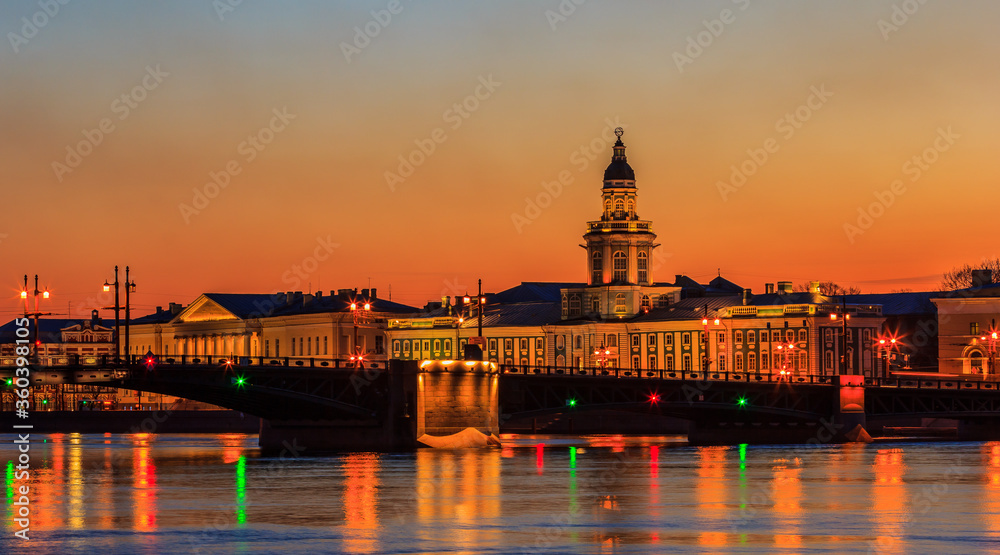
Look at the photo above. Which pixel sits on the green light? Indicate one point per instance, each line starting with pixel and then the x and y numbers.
pixel 571 402
pixel 743 452
pixel 45 401
pixel 10 381
pixel 572 457
pixel 741 401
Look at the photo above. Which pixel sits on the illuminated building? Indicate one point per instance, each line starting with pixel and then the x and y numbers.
pixel 968 329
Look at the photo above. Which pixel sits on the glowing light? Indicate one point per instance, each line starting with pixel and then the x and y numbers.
pixel 466 299
pixel 742 401
pixel 107 287
pixel 654 398
pixel 45 294
pixel 470 363
pixel 368 306
pixel 716 321
pixel 10 381
pixel 540 457
pixel 423 364
pixel 572 457
pixel 704 321
pixel 447 362
pixel 24 294
pixel 241 488
pixel 833 316
pixel 571 402
pixel 354 306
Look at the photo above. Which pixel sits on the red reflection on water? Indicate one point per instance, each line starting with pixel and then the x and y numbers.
pixel 540 457
pixel 889 500
pixel 654 461
pixel 232 447
pixel 144 485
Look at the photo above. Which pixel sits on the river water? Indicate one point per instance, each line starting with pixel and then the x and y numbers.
pixel 142 493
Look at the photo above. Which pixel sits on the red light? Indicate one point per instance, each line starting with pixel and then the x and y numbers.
pixel 45 294
pixel 24 294
pixel 654 398
pixel 368 306
pixel 894 340
pixel 38 342
pixel 704 322
pixel 994 335
pixel 354 306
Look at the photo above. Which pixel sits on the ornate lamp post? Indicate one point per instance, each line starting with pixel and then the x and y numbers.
pixel 129 288
pixel 36 294
pixel 360 311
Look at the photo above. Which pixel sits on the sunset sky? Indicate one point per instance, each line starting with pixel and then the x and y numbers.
pixel 700 87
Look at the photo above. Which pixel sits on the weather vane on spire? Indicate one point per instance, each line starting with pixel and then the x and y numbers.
pixel 619 132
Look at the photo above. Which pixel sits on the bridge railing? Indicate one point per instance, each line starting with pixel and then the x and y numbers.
pixel 105 361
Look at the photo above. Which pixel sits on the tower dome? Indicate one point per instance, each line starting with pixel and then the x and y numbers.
pixel 618 169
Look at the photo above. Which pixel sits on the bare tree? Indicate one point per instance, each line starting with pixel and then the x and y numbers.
pixel 960 277
pixel 829 289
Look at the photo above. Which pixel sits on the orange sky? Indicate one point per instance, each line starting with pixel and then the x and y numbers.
pixel 197 83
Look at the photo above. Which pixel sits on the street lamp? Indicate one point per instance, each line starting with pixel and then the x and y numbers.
pixel 843 336
pixel 886 344
pixel 360 311
pixel 602 355
pixel 36 293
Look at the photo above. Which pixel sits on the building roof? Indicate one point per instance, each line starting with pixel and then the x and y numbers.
pixel 688 309
pixel 897 304
pixel 618 170
pixel 518 314
pixel 49 329
pixel 533 291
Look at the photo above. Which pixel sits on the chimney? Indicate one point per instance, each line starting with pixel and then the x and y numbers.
pixel 176 308
pixel 446 302
pixel 307 298
pixel 784 288
pixel 982 277
pixel 95 318
pixel 768 288
pixel 344 294
pixel 814 287
pixel 373 295
pixel 319 294
pixel 364 294
pixel 745 295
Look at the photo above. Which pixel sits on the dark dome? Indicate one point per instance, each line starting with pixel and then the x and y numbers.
pixel 618 169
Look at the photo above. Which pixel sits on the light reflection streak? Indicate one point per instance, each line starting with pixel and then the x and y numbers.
pixel 710 496
pixel 241 492
pixel 144 484
pixel 991 493
pixel 889 500
pixel 76 506
pixel 361 472
pixel 787 495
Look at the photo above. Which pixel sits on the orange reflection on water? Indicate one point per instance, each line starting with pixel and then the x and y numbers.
pixel 232 447
pixel 361 474
pixel 787 495
pixel 710 495
pixel 991 493
pixel 75 483
pixel 459 491
pixel 889 500
pixel 48 485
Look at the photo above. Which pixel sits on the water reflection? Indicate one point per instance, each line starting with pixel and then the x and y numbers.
pixel 889 501
pixel 144 484
pixel 361 477
pixel 787 495
pixel 991 493
pixel 710 496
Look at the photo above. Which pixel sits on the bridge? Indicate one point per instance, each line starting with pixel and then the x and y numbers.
pixel 332 405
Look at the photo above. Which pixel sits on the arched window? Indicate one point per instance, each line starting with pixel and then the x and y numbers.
pixel 607 208
pixel 560 360
pixel 646 305
pixel 620 303
pixel 642 266
pixel 828 335
pixel 803 362
pixel 597 269
pixel 976 362
pixel 560 342
pixel 579 342
pixel 620 266
pixel 565 304
pixel 574 305
pixel 631 208
pixel 619 209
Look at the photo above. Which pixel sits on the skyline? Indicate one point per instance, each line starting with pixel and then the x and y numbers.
pixel 825 111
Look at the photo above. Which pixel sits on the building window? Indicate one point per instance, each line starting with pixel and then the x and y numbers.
pixel 595 304
pixel 829 360
pixel 722 364
pixel 508 344
pixel 668 363
pixel 764 361
pixel 565 303
pixel 437 345
pixel 739 336
pixel 560 360
pixel 427 345
pixel 652 362
pixel 597 268
pixel 976 362
pixel 752 361
pixel 574 305
pixel 974 328
pixel 619 209
pixel 778 362
pixel 560 342
pixel 687 363
pixel 850 358
pixel 620 303
pixel 509 361
pixel 635 362
pixel 803 336
pixel 651 340
pixel 850 335
pixel 828 335
pixel 524 362
pixel 277 347
pixel 643 267
pixel 612 340
pixel 739 362
pixel 395 347
pixel 789 335
pixel 635 340
pixel 751 336
pixel 668 339
pixel 803 361
pixel 310 345
pixel 620 266
pixel 326 344
pixel 267 347
pixel 645 304
pixel 447 346
pixel 607 208
pixel 293 347
pixel 300 346
pixel 775 336
pixel 379 344
pixel 702 337
pixel 493 344
pixel 867 334
pixel 721 337
pixel 686 338
pixel 631 207
pixel 524 344
pixel 579 342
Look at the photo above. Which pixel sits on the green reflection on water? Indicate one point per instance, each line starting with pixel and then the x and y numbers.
pixel 241 491
pixel 9 480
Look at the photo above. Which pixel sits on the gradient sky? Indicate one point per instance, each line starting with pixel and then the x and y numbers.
pixel 323 178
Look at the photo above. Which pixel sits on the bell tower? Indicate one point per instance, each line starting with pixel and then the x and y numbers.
pixel 619 245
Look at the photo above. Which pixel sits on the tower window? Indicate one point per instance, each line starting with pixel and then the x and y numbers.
pixel 642 266
pixel 631 208
pixel 574 305
pixel 620 266
pixel 619 209
pixel 646 305
pixel 597 269
pixel 620 303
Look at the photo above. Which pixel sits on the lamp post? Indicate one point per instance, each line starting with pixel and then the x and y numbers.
pixel 602 355
pixel 117 308
pixel 886 344
pixel 129 288
pixel 843 336
pixel 36 293
pixel 360 311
